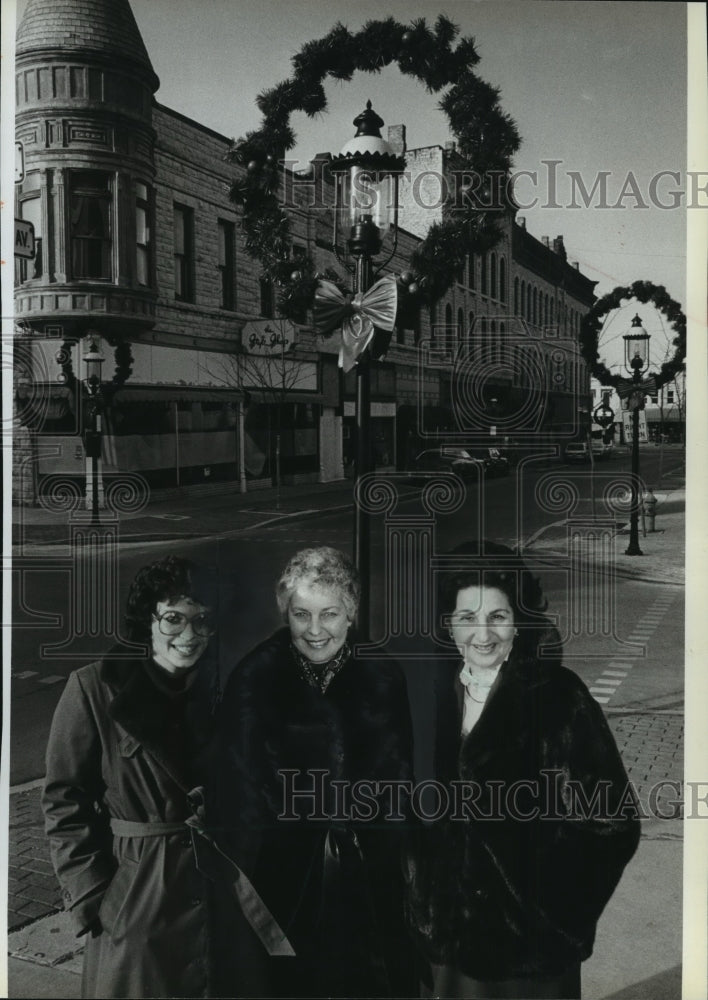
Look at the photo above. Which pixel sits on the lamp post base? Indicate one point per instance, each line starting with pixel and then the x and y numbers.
pixel 633 550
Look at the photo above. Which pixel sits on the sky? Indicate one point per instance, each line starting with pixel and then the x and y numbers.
pixel 598 86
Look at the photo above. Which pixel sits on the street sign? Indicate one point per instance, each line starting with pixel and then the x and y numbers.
pixel 627 427
pixel 24 239
pixel 19 163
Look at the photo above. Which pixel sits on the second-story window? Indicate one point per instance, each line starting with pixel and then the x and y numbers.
pixel 184 253
pixel 227 263
pixel 267 298
pixel 90 221
pixel 142 235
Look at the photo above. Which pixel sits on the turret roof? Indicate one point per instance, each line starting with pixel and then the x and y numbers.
pixel 103 27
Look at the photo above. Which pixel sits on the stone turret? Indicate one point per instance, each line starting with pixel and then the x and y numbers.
pixel 85 89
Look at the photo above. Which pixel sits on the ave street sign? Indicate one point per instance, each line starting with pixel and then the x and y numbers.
pixel 24 239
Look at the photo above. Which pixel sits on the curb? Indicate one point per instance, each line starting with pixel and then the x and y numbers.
pixel 624 572
pixel 139 538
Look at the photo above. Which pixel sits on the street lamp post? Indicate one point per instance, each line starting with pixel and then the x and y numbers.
pixel 92 439
pixel 636 359
pixel 366 176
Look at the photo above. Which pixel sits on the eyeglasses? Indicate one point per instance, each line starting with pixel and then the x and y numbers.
pixel 174 622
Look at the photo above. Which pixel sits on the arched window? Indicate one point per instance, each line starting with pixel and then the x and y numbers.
pixel 483 274
pixel 535 306
pixel 546 309
pixel 516 296
pixel 502 279
pixel 472 262
pixel 523 299
pixel 493 276
pixel 553 301
pixel 470 328
pixel 529 311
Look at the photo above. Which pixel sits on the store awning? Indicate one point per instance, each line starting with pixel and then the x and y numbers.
pixel 175 394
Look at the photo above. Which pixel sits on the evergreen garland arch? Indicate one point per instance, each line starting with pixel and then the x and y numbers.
pixel 486 140
pixel 642 291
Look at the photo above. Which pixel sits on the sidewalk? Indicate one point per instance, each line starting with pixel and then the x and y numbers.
pixel 638 949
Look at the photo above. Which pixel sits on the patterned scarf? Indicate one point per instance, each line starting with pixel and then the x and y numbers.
pixel 321 675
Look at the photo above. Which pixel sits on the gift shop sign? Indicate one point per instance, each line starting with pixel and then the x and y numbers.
pixel 267 337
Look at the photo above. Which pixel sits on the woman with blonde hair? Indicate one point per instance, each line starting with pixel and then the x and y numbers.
pixel 310 735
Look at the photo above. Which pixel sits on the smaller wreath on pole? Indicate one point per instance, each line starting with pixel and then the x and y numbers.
pixel 642 291
pixel 486 140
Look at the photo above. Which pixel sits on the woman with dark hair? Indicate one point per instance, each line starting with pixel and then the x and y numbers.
pixel 506 889
pixel 313 741
pixel 124 754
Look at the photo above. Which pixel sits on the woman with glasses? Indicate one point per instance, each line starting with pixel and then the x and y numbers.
pixel 126 749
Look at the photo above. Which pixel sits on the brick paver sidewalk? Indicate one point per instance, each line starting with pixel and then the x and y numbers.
pixel 32 889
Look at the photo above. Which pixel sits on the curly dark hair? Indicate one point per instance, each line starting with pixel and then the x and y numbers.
pixel 164 580
pixel 490 564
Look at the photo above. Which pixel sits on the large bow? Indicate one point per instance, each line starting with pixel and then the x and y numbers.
pixel 627 387
pixel 358 315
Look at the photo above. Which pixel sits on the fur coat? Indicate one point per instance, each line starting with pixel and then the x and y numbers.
pixel 332 879
pixel 514 883
pixel 124 747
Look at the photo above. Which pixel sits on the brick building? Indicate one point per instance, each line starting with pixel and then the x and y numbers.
pixel 139 249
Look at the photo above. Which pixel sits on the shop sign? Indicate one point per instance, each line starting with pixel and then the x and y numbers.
pixel 267 337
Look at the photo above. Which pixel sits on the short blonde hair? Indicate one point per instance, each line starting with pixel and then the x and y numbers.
pixel 320 567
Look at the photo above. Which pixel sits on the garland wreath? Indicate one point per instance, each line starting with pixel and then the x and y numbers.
pixel 643 291
pixel 486 140
pixel 123 370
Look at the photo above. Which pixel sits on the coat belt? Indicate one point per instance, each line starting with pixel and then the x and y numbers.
pixel 252 906
pixel 131 828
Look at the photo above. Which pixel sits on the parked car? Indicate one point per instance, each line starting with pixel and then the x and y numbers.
pixel 459 460
pixel 600 450
pixel 576 451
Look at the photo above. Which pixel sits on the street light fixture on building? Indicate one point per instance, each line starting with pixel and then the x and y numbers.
pixel 366 175
pixel 92 437
pixel 636 361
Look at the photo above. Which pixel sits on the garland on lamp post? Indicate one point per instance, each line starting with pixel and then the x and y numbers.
pixel 643 291
pixel 486 140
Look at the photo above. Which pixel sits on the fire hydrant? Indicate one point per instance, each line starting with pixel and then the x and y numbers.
pixel 649 509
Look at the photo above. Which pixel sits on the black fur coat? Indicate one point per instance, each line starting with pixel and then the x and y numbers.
pixel 513 885
pixel 332 880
